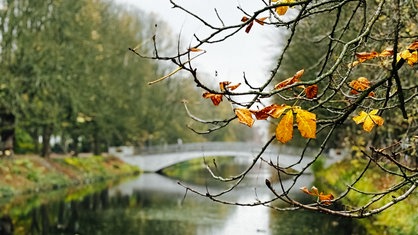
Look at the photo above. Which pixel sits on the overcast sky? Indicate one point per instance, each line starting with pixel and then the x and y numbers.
pixel 250 53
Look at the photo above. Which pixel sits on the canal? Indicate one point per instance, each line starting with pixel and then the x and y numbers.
pixel 156 204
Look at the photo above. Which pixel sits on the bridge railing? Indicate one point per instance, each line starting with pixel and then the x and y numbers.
pixel 205 147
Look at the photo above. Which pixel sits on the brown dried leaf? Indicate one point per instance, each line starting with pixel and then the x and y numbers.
pixel 249 26
pixel 244 19
pixel 311 91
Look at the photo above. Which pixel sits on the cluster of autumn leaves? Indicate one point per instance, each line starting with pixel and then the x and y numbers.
pixel 305 120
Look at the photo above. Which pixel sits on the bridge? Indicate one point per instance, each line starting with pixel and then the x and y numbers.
pixel 155 158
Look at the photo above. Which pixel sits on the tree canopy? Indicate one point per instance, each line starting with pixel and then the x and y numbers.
pixel 66 74
pixel 346 78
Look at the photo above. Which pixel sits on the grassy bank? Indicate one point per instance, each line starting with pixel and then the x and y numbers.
pixel 27 174
pixel 399 219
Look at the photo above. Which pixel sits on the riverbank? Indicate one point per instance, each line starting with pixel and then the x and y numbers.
pixel 28 174
pixel 399 219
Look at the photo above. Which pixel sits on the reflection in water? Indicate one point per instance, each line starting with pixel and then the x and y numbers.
pixel 153 204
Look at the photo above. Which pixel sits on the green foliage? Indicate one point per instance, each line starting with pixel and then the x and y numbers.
pixel 24 142
pixel 333 179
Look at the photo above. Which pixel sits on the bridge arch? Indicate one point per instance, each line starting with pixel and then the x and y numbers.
pixel 158 158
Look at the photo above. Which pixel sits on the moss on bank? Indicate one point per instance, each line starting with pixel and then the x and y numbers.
pixel 399 219
pixel 26 174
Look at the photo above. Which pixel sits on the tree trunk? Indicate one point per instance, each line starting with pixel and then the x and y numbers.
pixel 7 132
pixel 46 137
pixel 96 141
pixel 74 147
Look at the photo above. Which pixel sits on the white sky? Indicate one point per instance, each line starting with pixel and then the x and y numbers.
pixel 250 53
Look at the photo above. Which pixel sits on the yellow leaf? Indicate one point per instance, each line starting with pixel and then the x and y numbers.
pixel 306 122
pixel 244 116
pixel 413 59
pixel 282 9
pixel 284 130
pixel 369 120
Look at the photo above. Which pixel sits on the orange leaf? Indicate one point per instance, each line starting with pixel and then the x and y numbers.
pixel 386 52
pixel 290 81
pixel 326 199
pixel 233 87
pixel 244 116
pixel 216 98
pixel 369 120
pixel 413 46
pixel 222 85
pixel 284 130
pixel 261 20
pixel 311 91
pixel 194 49
pixel 306 122
pixel 275 110
pixel 360 84
pixel 363 56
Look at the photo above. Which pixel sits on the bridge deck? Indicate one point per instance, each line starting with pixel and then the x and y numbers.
pixel 155 159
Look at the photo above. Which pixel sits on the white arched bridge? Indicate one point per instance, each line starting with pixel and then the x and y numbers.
pixel 156 158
